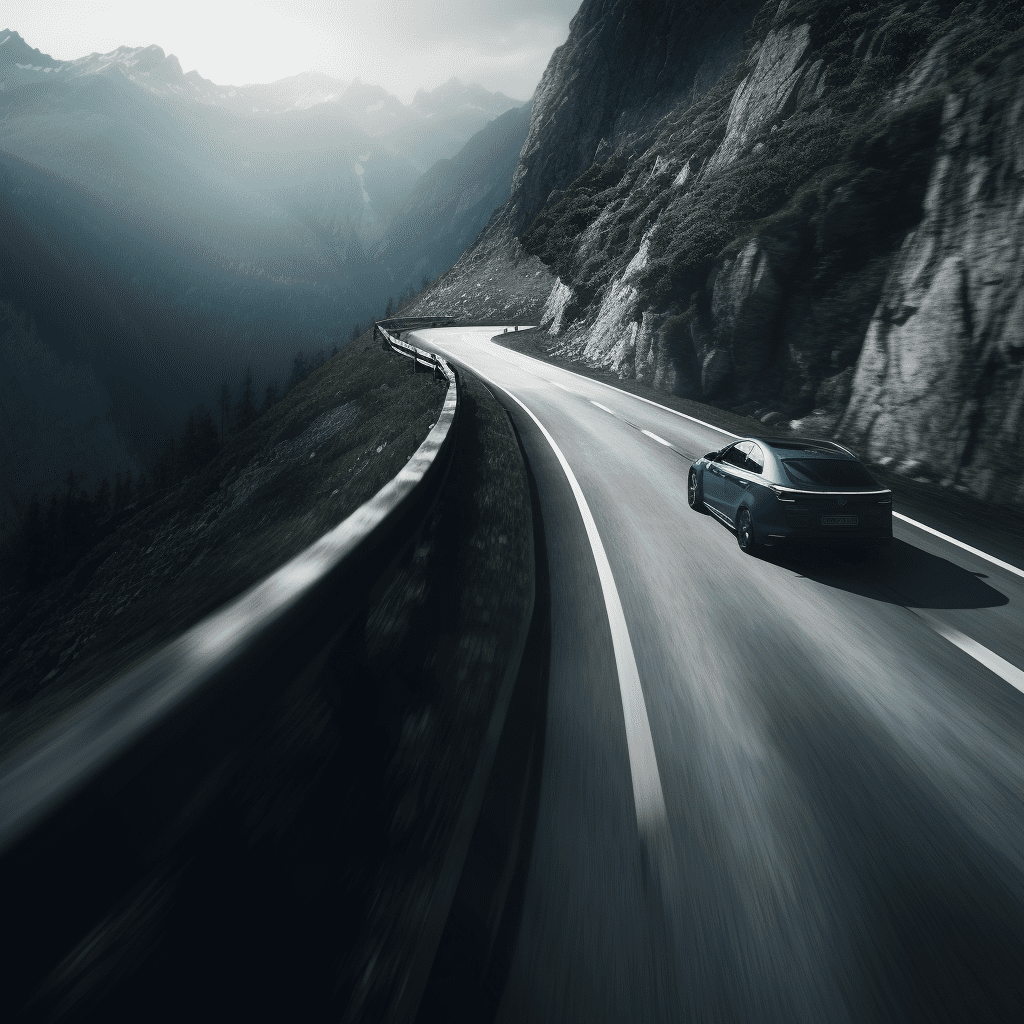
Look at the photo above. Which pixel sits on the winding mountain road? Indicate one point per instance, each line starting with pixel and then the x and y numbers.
pixel 787 788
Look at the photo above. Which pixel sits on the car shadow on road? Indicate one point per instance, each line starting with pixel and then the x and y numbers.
pixel 901 574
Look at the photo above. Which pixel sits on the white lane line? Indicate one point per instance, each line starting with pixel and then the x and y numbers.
pixel 1002 668
pixel 557 385
pixel 961 544
pixel 648 798
pixel 660 440
pixel 658 405
pixel 603 408
pixel 899 515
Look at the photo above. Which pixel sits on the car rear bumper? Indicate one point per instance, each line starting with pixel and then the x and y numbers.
pixel 827 535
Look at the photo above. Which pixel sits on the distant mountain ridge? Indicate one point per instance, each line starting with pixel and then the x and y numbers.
pixel 435 125
pixel 453 201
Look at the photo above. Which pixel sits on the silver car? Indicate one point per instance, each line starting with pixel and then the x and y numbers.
pixel 782 491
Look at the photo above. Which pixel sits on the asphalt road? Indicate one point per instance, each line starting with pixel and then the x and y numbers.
pixel 836 742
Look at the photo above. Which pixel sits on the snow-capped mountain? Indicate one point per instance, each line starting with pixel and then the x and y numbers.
pixel 436 125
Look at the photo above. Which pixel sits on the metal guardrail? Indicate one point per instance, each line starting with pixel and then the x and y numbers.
pixel 123 777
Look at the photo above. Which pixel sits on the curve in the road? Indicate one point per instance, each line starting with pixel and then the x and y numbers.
pixel 839 754
pixel 643 763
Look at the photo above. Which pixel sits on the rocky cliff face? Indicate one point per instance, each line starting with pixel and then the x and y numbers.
pixel 939 378
pixel 809 213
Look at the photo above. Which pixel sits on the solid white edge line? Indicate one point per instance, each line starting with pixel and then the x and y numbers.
pixel 960 544
pixel 643 764
pixel 603 408
pixel 660 440
pixel 648 797
pixel 1000 666
pixel 657 405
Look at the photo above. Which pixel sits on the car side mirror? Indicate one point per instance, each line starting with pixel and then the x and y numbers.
pixel 711 456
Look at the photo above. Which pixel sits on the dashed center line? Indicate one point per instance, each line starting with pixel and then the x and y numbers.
pixel 557 385
pixel 603 408
pixel 654 437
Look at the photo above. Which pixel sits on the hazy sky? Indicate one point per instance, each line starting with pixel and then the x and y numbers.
pixel 400 44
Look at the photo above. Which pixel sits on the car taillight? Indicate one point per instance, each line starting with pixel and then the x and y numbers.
pixel 782 494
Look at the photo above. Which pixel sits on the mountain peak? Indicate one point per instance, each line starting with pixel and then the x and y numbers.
pixel 14 50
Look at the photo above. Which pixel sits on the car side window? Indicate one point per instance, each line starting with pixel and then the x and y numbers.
pixel 737 454
pixel 755 459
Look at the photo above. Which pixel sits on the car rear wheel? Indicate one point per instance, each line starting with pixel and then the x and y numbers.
pixel 693 492
pixel 745 531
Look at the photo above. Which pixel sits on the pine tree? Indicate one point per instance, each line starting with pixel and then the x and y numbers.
pixel 270 397
pixel 390 309
pixel 101 500
pixel 206 435
pixel 199 442
pixel 245 411
pixel 355 332
pixel 33 544
pixel 165 469
pixel 300 369
pixel 225 410
pixel 51 537
pixel 76 522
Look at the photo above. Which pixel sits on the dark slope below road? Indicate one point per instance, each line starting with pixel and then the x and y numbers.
pixel 171 559
pixel 301 888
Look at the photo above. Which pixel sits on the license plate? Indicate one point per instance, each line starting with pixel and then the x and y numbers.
pixel 839 520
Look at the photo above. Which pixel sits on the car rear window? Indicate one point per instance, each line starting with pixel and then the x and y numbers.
pixel 828 473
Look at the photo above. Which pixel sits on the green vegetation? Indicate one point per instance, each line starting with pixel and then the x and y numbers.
pixel 842 149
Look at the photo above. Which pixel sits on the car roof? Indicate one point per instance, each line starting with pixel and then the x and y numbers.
pixel 805 447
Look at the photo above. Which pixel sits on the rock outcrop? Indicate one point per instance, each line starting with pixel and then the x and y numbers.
pixel 940 380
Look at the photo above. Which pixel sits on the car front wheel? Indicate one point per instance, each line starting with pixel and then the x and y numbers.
pixel 693 494
pixel 745 531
